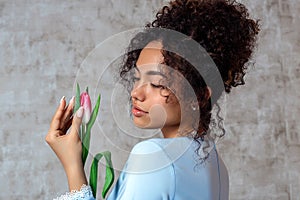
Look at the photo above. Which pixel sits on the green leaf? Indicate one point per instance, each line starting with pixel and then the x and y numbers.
pixel 94 113
pixel 109 176
pixel 94 173
pixel 81 131
pixel 87 90
pixel 77 98
pixel 87 135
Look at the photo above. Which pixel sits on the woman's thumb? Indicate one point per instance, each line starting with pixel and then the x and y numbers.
pixel 77 119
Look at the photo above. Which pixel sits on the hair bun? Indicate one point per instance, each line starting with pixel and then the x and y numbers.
pixel 222 27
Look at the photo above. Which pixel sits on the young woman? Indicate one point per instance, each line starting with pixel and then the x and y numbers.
pixel 160 80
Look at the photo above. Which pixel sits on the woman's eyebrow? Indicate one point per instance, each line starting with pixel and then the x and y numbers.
pixel 156 73
pixel 151 72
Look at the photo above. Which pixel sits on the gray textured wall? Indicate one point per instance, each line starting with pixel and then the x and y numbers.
pixel 43 44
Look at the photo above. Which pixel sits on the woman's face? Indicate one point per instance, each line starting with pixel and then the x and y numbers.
pixel 150 109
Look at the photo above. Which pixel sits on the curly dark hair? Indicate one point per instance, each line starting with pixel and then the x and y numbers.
pixel 222 27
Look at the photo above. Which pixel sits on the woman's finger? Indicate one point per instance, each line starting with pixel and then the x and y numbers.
pixel 55 122
pixel 77 119
pixel 67 115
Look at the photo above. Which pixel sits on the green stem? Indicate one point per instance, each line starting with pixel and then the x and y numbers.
pixel 85 143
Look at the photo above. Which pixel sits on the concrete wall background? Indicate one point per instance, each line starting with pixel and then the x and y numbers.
pixel 43 44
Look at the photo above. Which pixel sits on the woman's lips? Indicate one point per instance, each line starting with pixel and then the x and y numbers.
pixel 137 112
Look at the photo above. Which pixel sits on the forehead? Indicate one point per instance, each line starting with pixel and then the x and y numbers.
pixel 150 56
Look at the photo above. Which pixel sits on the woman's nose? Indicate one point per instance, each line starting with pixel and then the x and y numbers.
pixel 138 92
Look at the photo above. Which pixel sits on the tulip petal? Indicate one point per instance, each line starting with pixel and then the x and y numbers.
pixel 85 102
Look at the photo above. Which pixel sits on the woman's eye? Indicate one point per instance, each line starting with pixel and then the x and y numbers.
pixel 158 86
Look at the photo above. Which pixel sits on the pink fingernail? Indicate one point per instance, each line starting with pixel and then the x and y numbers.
pixel 63 98
pixel 79 112
pixel 71 100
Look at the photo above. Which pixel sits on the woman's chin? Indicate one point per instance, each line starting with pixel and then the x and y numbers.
pixel 145 125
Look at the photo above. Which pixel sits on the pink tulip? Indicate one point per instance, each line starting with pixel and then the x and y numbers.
pixel 85 102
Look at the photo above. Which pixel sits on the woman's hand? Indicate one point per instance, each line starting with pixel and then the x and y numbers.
pixel 67 146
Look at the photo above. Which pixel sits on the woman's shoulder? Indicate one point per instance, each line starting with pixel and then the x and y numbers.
pixel 147 156
pixel 161 143
pixel 146 146
pixel 163 146
pixel 157 153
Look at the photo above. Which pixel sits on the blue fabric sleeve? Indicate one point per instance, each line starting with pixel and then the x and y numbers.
pixel 148 174
pixel 85 193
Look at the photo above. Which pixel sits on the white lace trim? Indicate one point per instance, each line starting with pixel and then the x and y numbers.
pixel 84 193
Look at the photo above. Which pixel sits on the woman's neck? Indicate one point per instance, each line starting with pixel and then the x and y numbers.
pixel 170 131
pixel 173 131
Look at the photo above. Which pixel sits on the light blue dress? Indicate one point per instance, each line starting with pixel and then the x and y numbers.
pixel 168 168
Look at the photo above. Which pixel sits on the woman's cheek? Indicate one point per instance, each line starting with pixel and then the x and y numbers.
pixel 158 116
